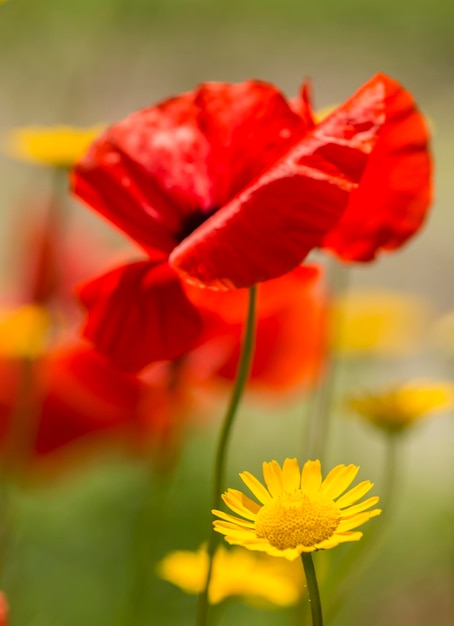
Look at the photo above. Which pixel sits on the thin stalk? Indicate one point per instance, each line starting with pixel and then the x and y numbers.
pixel 312 589
pixel 147 521
pixel 352 568
pixel 320 410
pixel 242 374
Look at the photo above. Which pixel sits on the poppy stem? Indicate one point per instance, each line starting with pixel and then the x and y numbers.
pixel 244 366
pixel 312 589
pixel 352 568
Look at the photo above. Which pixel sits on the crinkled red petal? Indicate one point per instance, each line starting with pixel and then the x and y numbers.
pixel 248 126
pixel 394 195
pixel 139 313
pixel 159 172
pixel 270 227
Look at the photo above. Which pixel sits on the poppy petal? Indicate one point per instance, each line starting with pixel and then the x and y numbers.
pixel 139 313
pixel 84 396
pixel 148 171
pixel 270 227
pixel 158 173
pixel 287 352
pixel 248 125
pixel 392 200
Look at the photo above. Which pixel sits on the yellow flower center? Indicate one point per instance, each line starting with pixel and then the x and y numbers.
pixel 297 518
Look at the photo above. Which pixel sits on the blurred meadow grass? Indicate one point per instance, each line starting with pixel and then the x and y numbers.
pixel 91 61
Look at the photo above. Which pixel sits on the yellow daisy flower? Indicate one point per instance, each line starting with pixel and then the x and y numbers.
pixel 397 408
pixel 298 511
pixel 237 572
pixel 59 146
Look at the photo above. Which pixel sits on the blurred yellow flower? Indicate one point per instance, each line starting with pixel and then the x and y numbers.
pixel 59 146
pixel 298 511
pixel 23 331
pixel 378 322
pixel 236 572
pixel 397 408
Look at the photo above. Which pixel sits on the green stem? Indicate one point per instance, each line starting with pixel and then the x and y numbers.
pixel 147 524
pixel 320 410
pixel 352 568
pixel 244 366
pixel 312 589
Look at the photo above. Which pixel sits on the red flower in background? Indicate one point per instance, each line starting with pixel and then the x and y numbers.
pixel 229 185
pixel 74 401
pixel 291 331
pixel 395 193
pixel 4 610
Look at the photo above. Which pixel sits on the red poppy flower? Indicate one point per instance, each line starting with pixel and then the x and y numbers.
pixel 73 400
pixel 4 610
pixel 395 193
pixel 230 185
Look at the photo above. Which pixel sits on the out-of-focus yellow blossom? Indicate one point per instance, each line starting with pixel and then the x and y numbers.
pixel 237 572
pixel 23 331
pixel 378 322
pixel 59 146
pixel 397 408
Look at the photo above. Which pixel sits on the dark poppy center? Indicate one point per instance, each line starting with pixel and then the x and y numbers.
pixel 193 221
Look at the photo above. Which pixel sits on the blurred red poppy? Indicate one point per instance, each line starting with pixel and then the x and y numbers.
pixel 72 401
pixel 291 331
pixel 4 610
pixel 230 185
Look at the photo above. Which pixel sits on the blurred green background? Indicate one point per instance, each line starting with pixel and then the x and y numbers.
pixel 91 61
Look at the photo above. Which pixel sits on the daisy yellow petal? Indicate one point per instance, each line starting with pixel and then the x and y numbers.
pixel 240 503
pixel 290 553
pixel 302 548
pixel 272 473
pixel 348 536
pixel 255 487
pixel 242 540
pixel 234 520
pixel 232 531
pixel 354 494
pixel 327 544
pixel 311 476
pixel 291 475
pixel 357 520
pixel 338 480
pixel 360 507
